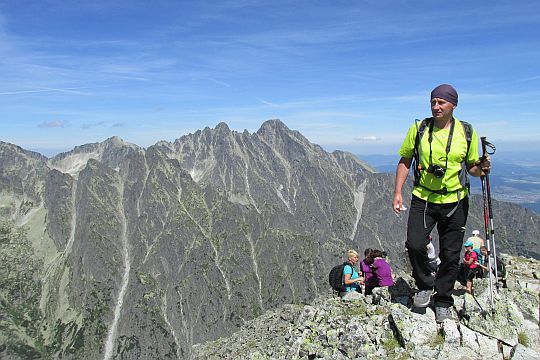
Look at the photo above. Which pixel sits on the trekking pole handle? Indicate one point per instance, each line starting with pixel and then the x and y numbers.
pixel 485 145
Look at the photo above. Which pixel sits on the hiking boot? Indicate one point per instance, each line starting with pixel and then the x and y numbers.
pixel 443 313
pixel 422 298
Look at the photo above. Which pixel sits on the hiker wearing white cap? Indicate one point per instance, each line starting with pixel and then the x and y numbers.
pixel 476 240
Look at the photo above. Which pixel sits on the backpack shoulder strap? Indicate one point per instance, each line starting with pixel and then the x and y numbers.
pixel 467 129
pixel 417 152
pixel 421 129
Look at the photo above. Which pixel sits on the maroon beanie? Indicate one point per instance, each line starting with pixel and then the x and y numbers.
pixel 446 92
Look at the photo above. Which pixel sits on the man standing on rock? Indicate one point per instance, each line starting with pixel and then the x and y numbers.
pixel 443 149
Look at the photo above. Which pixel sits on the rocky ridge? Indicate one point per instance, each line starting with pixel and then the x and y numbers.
pixel 384 325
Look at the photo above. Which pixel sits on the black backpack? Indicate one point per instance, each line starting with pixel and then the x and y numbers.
pixel 335 278
pixel 501 268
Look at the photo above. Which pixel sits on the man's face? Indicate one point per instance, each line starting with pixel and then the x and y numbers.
pixel 442 109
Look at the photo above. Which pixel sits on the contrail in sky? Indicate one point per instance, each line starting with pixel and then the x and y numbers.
pixel 267 102
pixel 67 90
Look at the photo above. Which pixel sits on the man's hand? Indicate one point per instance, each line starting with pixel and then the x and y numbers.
pixel 484 163
pixel 480 167
pixel 397 203
pixel 402 171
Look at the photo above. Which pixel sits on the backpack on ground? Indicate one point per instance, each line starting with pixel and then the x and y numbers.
pixel 336 277
pixel 501 269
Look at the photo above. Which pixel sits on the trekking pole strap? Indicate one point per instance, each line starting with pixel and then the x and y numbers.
pixel 486 144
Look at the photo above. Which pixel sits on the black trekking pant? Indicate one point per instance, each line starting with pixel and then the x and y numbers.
pixel 451 230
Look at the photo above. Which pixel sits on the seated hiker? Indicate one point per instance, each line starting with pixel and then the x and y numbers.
pixel 351 278
pixel 483 264
pixel 471 263
pixel 381 271
pixel 365 267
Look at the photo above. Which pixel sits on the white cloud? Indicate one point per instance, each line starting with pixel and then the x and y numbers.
pixel 53 124
pixel 370 138
pixel 89 125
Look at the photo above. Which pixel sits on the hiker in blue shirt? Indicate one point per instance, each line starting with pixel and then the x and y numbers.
pixel 351 277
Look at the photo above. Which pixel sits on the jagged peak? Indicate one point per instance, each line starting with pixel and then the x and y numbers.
pixel 165 143
pixel 268 127
pixel 10 146
pixel 275 129
pixel 86 148
pixel 116 141
pixel 223 127
pixel 113 141
pixel 272 125
pixel 72 162
pixel 17 148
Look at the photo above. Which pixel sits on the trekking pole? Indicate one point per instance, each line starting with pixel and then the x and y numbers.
pixel 488 215
pixel 482 311
pixel 488 241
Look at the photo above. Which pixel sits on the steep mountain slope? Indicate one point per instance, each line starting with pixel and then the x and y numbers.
pixel 143 253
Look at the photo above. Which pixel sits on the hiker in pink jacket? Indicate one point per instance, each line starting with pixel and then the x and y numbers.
pixel 382 269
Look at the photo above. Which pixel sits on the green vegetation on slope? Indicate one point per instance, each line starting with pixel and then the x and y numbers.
pixel 20 291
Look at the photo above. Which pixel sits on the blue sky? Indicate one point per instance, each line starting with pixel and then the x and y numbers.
pixel 349 75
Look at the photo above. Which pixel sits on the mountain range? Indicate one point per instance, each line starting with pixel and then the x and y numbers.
pixel 115 251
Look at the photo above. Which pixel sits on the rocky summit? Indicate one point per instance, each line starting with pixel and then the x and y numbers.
pixel 112 251
pixel 386 326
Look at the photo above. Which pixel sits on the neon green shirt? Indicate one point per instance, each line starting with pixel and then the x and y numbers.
pixel 450 180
